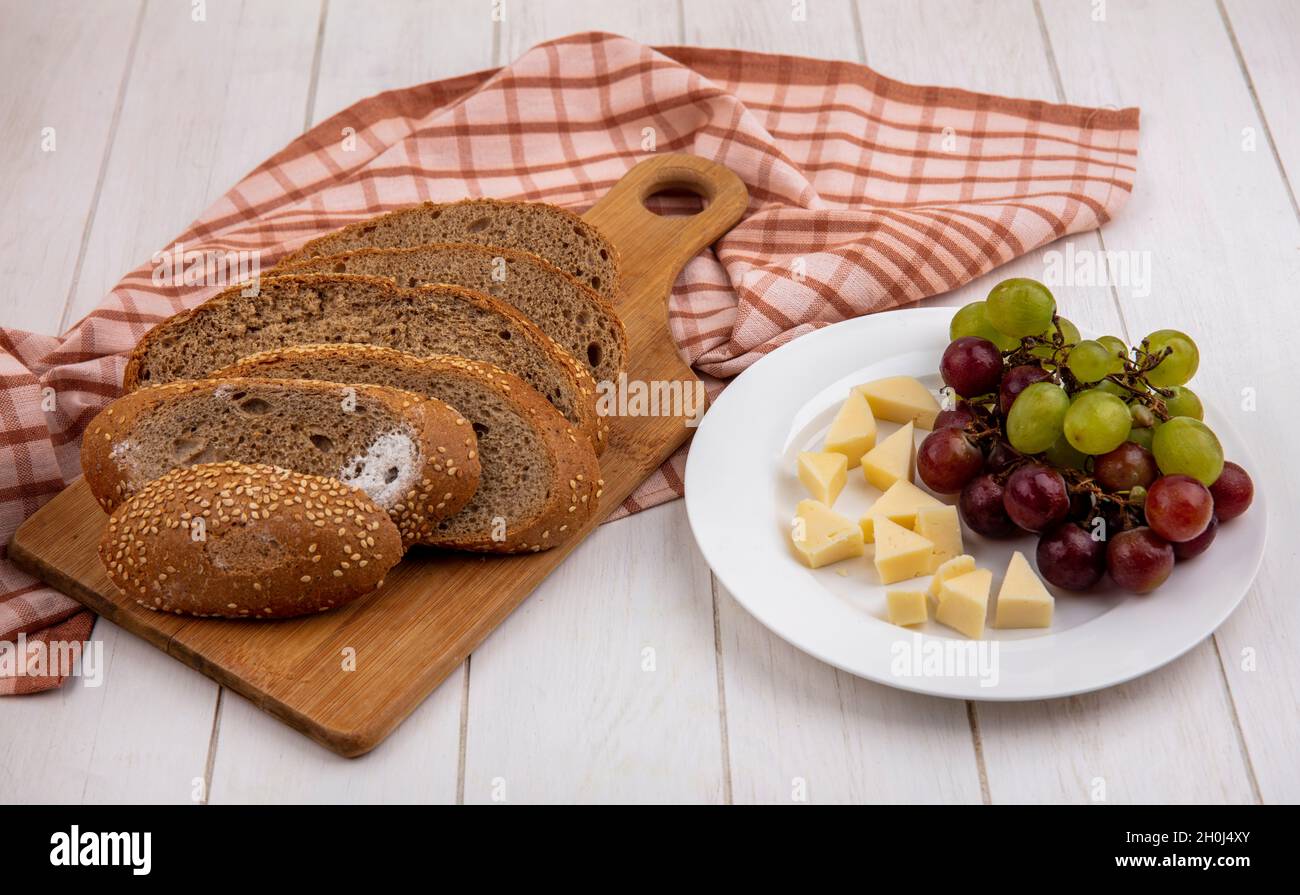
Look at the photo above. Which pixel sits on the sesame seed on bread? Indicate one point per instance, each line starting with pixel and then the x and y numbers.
pixel 247 541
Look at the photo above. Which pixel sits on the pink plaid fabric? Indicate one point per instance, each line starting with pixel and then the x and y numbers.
pixel 867 194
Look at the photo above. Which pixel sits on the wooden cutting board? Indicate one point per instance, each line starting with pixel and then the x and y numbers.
pixel 435 608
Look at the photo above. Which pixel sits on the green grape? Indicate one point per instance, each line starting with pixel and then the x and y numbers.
pixel 1020 307
pixel 1063 455
pixel 972 320
pixel 1034 423
pixel 1069 332
pixel 1097 423
pixel 1142 436
pixel 1115 345
pixel 1188 446
pixel 1185 403
pixel 1089 361
pixel 1113 388
pixel 1180 366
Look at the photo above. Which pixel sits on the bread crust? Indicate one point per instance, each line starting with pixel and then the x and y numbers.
pixel 582 386
pixel 594 300
pixel 446 481
pixel 320 245
pixel 272 543
pixel 576 488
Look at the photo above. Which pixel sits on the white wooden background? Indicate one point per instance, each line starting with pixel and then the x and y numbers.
pixel 156 115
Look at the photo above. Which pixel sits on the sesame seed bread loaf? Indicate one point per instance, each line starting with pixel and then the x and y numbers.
pixel 247 541
pixel 415 458
pixel 559 236
pixel 576 317
pixel 313 308
pixel 540 480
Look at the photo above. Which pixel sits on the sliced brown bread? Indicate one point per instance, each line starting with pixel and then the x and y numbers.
pixel 314 308
pixel 576 317
pixel 414 457
pixel 559 236
pixel 539 476
pixel 247 541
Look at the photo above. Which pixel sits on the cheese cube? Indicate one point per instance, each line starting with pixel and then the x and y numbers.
pixel 906 607
pixel 941 525
pixel 1023 602
pixel 853 431
pixel 901 399
pixel 900 554
pixel 958 565
pixel 898 504
pixel 821 536
pixel 891 460
pixel 964 602
pixel 823 474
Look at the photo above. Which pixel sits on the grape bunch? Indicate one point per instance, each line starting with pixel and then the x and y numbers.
pixel 1099 449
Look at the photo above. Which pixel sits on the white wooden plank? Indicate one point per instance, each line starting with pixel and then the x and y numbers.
pixel 208 101
pixel 65 67
pixel 1121 746
pixel 141 736
pixel 529 22
pixel 1268 37
pixel 798 728
pixel 259 760
pixel 823 28
pixel 897 37
pixel 1222 234
pixel 367 50
pixel 602 687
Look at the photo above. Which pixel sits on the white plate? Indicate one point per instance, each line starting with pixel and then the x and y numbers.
pixel 741 491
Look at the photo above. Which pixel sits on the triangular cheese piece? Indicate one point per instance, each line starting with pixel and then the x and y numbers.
pixel 892 460
pixel 900 554
pixel 941 525
pixel 1023 602
pixel 823 474
pixel 853 431
pixel 898 504
pixel 821 536
pixel 964 602
pixel 901 399
pixel 958 565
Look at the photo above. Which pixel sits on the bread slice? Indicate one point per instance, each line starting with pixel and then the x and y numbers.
pixel 315 308
pixel 247 541
pixel 576 317
pixel 414 457
pixel 559 236
pixel 540 480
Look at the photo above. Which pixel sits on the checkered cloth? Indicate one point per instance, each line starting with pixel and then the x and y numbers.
pixel 867 194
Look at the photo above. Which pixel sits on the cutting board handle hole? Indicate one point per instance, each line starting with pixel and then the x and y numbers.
pixel 675 201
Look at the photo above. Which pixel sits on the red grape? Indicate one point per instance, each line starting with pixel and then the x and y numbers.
pixel 947 460
pixel 1199 544
pixel 1139 559
pixel 1233 491
pixel 982 508
pixel 959 417
pixel 1069 557
pixel 972 366
pixel 1036 497
pixel 1178 507
pixel 1016 380
pixel 1128 465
